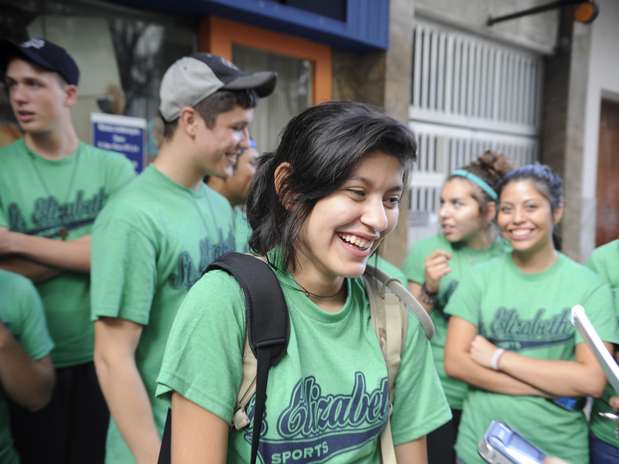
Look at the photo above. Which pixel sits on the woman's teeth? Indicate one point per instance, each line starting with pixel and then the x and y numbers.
pixel 356 241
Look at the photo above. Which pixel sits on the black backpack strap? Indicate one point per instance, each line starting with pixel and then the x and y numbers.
pixel 268 326
pixel 268 330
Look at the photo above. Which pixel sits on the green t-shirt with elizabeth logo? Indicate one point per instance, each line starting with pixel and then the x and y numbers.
pixel 149 246
pixel 461 262
pixel 328 397
pixel 529 313
pixel 56 198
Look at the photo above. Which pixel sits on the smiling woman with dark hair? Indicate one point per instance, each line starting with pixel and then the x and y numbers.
pixel 510 336
pixel 319 207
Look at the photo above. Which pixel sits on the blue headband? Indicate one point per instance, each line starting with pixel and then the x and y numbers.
pixel 482 184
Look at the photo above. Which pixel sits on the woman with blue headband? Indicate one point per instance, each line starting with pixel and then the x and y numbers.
pixel 435 265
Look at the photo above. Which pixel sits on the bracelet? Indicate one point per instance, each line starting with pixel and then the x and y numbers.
pixel 426 296
pixel 496 357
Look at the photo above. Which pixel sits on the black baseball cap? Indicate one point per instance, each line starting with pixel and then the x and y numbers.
pixel 193 78
pixel 43 53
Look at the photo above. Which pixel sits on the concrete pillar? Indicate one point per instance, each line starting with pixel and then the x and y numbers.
pixel 565 96
pixel 383 79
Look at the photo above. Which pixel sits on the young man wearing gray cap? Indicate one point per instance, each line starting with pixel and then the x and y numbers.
pixel 52 186
pixel 154 240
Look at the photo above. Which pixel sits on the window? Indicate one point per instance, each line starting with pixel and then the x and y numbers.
pixel 122 54
pixel 468 94
pixel 303 67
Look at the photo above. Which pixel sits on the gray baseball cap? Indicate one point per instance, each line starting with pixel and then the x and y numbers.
pixel 193 78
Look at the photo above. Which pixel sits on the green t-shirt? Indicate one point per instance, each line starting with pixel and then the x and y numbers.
pixel 327 397
pixel 462 258
pixel 390 269
pixel 21 312
pixel 149 246
pixel 242 230
pixel 605 261
pixel 44 197
pixel 530 314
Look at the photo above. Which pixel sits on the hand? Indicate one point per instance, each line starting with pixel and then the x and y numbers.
pixel 614 402
pixel 436 266
pixel 6 241
pixel 482 351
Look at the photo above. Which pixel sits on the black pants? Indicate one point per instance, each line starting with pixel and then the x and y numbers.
pixel 441 442
pixel 71 429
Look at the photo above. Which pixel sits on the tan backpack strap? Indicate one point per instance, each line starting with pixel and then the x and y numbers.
pixel 394 339
pixel 247 389
pixel 394 317
pixel 405 297
pixel 390 319
pixel 387 448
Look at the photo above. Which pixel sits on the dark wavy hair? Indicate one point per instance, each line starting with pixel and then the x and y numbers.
pixel 546 181
pixel 323 145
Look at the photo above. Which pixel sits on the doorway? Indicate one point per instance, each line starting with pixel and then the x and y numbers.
pixel 607 189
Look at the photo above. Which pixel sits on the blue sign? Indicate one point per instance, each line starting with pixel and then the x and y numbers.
pixel 124 134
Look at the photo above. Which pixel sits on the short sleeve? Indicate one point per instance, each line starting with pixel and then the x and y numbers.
pixel 465 302
pixel 204 354
pixel 599 307
pixel 123 273
pixel 119 172
pixel 414 265
pixel 420 405
pixel 34 336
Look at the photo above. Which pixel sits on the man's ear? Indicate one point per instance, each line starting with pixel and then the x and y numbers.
pixel 188 120
pixel 70 92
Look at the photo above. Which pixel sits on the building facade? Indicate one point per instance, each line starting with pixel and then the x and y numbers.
pixel 536 88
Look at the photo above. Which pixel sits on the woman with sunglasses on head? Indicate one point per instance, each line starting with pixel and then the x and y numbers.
pixel 510 336
pixel 319 207
pixel 435 265
pixel 603 438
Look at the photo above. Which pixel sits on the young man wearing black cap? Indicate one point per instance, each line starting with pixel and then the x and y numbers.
pixel 52 186
pixel 154 240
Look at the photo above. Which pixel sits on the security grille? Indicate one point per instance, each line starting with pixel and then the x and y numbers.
pixel 469 94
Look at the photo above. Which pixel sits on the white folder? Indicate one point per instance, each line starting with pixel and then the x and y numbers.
pixel 583 325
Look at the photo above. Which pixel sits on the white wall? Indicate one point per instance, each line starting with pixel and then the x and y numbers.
pixel 603 81
pixel 536 32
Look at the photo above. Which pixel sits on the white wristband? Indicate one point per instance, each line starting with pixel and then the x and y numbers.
pixel 496 356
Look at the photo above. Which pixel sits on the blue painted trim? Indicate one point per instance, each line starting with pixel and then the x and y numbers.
pixel 366 27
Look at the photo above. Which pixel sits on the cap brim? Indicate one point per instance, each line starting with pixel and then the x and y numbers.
pixel 10 50
pixel 263 83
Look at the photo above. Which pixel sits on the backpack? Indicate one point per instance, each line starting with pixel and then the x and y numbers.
pixel 268 329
